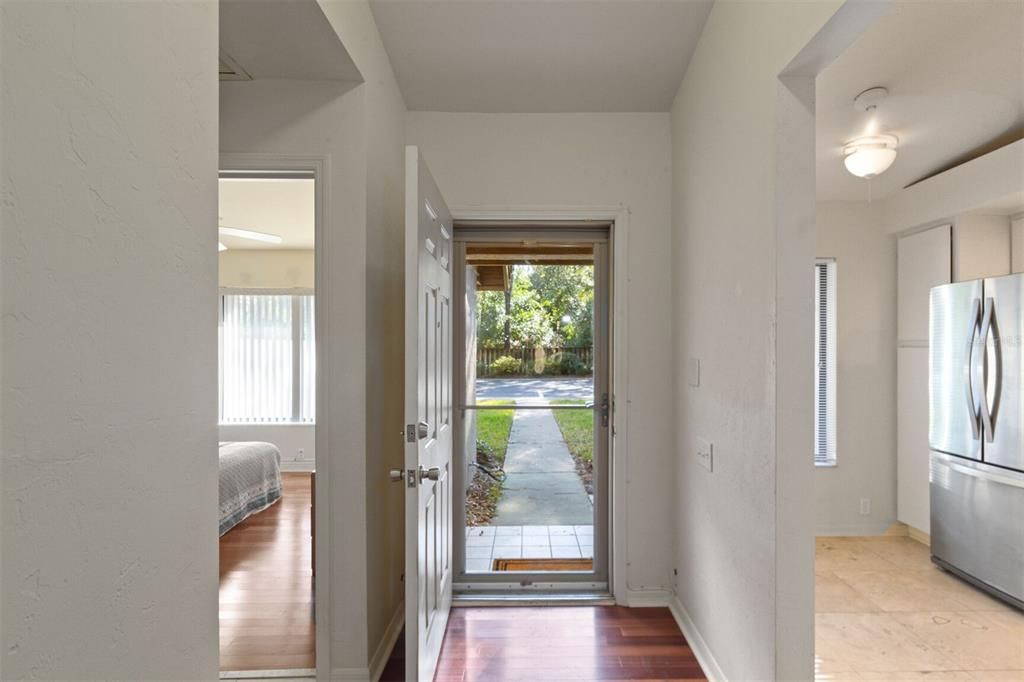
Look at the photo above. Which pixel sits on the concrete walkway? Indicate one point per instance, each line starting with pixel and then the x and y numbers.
pixel 542 487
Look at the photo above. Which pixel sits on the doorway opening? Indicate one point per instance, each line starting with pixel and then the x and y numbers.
pixel 267 420
pixel 532 436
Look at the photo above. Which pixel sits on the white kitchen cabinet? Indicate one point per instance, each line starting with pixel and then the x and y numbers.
pixel 981 247
pixel 912 507
pixel 1017 244
pixel 923 260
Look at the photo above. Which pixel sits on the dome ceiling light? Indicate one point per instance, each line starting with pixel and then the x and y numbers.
pixel 871 154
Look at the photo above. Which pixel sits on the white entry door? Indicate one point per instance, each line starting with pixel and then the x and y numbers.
pixel 428 413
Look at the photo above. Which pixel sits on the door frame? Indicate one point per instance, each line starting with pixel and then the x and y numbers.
pixel 618 293
pixel 319 166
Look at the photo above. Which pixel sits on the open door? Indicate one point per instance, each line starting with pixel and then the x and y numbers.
pixel 428 432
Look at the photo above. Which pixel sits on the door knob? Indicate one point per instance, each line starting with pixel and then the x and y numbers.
pixel 396 475
pixel 433 473
pixel 422 429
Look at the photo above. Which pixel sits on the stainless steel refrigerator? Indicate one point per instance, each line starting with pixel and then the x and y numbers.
pixel 976 414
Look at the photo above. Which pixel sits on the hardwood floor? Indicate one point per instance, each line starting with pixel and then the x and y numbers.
pixel 501 644
pixel 266 585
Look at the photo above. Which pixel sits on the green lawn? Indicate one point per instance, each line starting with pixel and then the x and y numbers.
pixel 577 428
pixel 493 427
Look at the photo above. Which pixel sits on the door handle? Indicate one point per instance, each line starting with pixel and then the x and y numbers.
pixel 987 412
pixel 418 431
pixel 396 475
pixel 433 474
pixel 972 406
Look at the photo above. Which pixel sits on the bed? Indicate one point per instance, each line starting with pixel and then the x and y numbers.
pixel 250 480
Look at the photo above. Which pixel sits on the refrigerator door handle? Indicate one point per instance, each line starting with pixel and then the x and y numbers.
pixel 972 406
pixel 987 328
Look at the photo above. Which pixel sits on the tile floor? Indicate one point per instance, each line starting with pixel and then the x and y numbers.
pixel 885 612
pixel 484 544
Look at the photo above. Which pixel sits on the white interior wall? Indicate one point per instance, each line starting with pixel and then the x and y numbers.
pixel 384 319
pixel 736 539
pixel 586 160
pixel 109 457
pixel 854 234
pixel 325 118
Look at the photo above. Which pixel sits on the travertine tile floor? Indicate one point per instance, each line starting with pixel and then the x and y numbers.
pixel 885 612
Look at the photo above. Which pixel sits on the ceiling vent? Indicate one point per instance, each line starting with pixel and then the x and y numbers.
pixel 230 70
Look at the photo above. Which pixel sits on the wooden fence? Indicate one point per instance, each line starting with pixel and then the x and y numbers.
pixel 527 357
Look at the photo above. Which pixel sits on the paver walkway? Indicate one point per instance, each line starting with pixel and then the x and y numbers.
pixel 542 487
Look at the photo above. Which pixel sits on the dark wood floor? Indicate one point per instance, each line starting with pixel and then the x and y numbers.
pixel 266 585
pixel 560 643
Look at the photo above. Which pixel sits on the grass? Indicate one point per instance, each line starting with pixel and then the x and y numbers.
pixel 577 428
pixel 493 427
pixel 492 431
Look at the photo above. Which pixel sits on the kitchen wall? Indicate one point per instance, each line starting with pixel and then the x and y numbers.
pixel 732 530
pixel 579 160
pixel 853 233
pixel 108 472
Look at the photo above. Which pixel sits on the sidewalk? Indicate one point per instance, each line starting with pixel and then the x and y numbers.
pixel 542 487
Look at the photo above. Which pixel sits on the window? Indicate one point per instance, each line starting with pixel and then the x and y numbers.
pixel 825 362
pixel 267 359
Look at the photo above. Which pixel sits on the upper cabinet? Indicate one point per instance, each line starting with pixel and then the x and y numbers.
pixel 981 247
pixel 924 261
pixel 1017 242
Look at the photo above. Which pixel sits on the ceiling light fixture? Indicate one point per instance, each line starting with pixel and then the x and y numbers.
pixel 871 154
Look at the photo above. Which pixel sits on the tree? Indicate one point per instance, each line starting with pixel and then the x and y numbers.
pixel 545 305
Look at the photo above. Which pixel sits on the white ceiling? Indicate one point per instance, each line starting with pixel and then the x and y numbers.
pixel 539 55
pixel 284 39
pixel 955 74
pixel 285 207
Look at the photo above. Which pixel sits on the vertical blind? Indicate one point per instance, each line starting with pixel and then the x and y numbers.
pixel 267 359
pixel 825 362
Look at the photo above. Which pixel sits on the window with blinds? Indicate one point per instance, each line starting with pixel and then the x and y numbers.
pixel 267 359
pixel 825 362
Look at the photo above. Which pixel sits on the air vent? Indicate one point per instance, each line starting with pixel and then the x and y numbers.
pixel 230 70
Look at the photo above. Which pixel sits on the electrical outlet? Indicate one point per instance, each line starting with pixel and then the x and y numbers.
pixel 865 506
pixel 705 454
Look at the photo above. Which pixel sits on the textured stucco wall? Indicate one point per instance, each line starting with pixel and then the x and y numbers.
pixel 384 316
pixel 743 553
pixel 109 396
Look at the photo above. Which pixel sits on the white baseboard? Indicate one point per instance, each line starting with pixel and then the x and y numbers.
pixel 697 644
pixel 854 531
pixel 387 642
pixel 298 466
pixel 647 598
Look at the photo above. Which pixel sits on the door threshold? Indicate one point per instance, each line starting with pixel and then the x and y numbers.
pixel 532 599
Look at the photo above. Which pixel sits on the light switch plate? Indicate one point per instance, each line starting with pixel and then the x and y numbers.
pixel 705 454
pixel 693 372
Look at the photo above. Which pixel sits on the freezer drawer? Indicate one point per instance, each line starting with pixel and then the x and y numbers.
pixel 977 522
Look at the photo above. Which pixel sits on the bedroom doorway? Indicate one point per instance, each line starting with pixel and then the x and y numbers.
pixel 267 228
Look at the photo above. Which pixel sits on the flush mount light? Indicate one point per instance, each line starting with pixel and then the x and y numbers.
pixel 870 155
